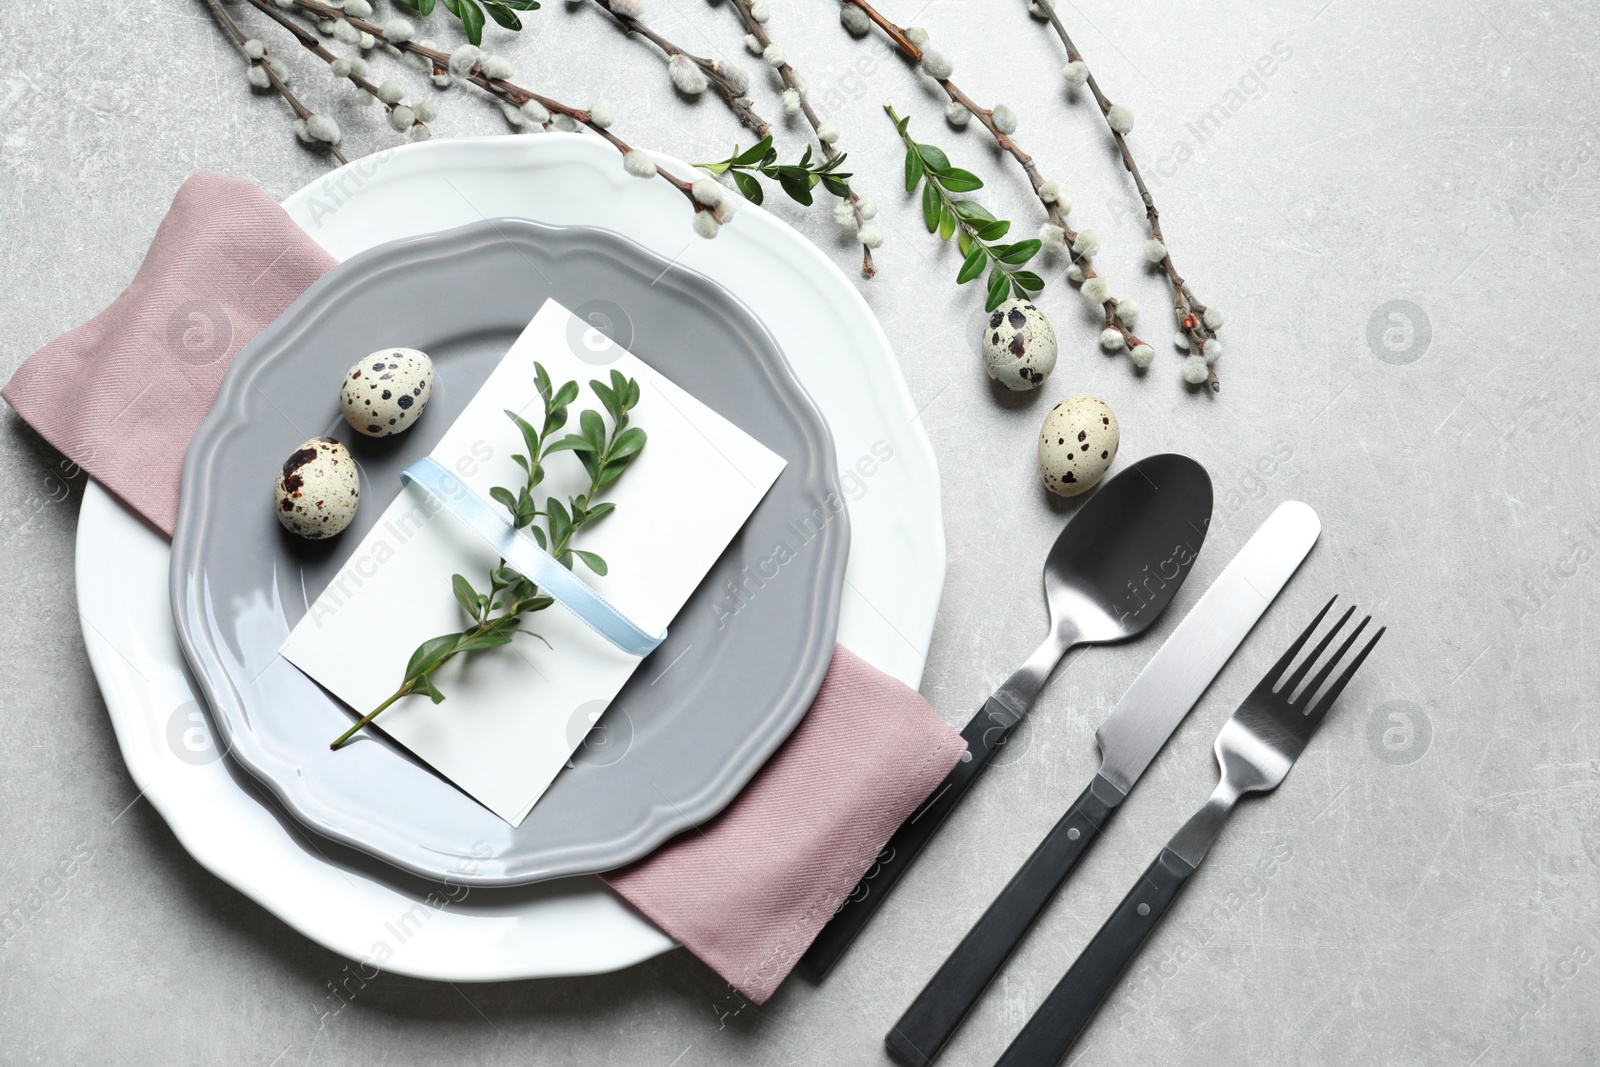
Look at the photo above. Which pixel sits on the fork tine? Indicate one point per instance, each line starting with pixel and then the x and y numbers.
pixel 1315 684
pixel 1316 713
pixel 1289 687
pixel 1267 684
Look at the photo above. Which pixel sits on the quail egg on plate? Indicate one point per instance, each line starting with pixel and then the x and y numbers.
pixel 386 392
pixel 318 489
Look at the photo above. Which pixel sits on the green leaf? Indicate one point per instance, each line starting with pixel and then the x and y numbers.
pixel 628 442
pixel 560 521
pixel 753 156
pixel 993 231
pixel 471 16
pixel 479 642
pixel 932 207
pixel 538 535
pixel 599 511
pixel 1020 252
pixel 565 395
pixel 503 496
pixel 594 428
pixel 957 180
pixel 973 211
pixel 934 158
pixel 466 596
pixel 748 187
pixel 608 398
pixel 522 5
pixel 592 561
pixel 530 436
pixel 947 223
pixel 503 14
pixel 965 242
pixel 571 443
pixel 999 286
pixel 836 185
pixel 1029 281
pixel 913 170
pixel 973 266
pixel 426 686
pixel 429 654
pixel 798 188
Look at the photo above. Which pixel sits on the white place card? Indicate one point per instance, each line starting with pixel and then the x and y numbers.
pixel 513 715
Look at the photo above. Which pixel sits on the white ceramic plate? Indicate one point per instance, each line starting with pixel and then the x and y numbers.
pixel 572 926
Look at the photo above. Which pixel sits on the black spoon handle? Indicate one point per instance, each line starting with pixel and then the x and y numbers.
pixel 984 734
pixel 938 1011
pixel 1072 1004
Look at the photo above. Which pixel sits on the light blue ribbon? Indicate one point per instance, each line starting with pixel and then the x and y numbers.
pixel 490 523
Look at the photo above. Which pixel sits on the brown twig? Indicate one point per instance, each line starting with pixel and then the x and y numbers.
pixel 715 72
pixel 792 80
pixel 1190 312
pixel 309 41
pixel 500 88
pixel 897 34
pixel 301 112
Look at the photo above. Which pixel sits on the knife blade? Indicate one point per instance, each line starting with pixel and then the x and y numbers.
pixel 1148 713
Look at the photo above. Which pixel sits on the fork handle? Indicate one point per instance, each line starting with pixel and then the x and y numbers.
pixel 1072 1004
pixel 936 1014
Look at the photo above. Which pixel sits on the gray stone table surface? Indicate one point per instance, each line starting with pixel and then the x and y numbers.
pixel 1399 221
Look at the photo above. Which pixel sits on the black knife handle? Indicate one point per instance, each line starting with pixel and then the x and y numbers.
pixel 938 1011
pixel 986 732
pixel 1072 1004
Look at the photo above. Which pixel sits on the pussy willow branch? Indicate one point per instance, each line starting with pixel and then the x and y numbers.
pixel 1189 310
pixel 309 41
pixel 714 71
pixel 897 34
pixel 500 88
pixel 301 112
pixel 792 80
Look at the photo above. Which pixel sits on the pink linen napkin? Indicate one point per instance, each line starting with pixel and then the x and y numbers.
pixel 122 394
pixel 747 892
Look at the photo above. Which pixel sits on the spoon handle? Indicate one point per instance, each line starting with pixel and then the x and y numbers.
pixel 986 732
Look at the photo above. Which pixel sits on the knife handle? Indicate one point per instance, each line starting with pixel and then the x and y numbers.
pixel 986 732
pixel 938 1011
pixel 1072 1004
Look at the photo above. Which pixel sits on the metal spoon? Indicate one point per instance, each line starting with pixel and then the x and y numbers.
pixel 1110 574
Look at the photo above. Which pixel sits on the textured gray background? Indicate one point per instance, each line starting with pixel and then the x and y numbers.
pixel 1423 890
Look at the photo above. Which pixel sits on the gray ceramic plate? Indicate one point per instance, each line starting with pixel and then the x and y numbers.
pixel 700 715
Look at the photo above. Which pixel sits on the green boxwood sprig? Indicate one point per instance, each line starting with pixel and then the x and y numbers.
pixel 496 616
pixel 796 179
pixel 976 229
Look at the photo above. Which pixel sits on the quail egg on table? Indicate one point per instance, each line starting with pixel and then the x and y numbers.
pixel 386 392
pixel 1019 347
pixel 317 489
pixel 1077 444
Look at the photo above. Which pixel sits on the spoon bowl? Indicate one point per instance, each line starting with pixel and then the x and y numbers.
pixel 1118 563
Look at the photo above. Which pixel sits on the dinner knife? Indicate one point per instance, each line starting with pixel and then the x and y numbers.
pixel 1129 739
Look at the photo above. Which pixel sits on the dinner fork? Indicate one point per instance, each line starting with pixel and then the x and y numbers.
pixel 1255 750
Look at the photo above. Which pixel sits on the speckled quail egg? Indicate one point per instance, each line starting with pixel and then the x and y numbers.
pixel 386 392
pixel 1077 444
pixel 317 489
pixel 1019 347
